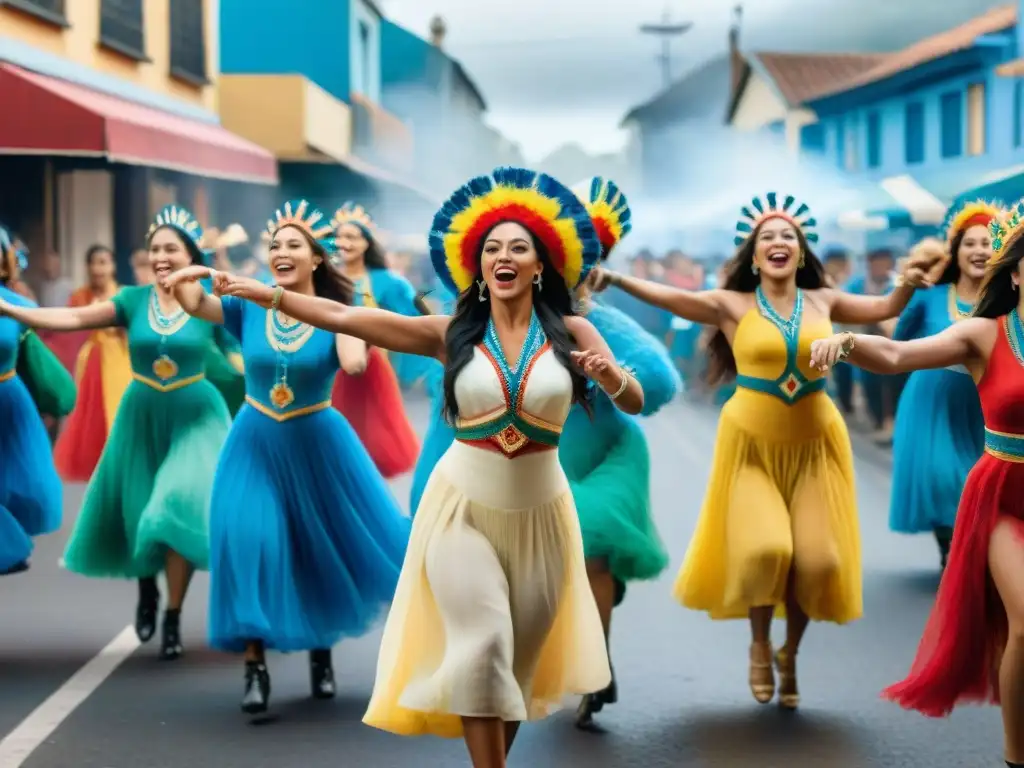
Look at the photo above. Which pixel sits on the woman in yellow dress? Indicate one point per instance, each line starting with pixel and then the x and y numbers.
pixel 778 528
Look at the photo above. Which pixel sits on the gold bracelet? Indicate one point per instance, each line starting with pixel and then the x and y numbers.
pixel 278 293
pixel 623 386
pixel 848 345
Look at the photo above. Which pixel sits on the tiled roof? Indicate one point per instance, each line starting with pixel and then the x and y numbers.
pixel 931 48
pixel 801 77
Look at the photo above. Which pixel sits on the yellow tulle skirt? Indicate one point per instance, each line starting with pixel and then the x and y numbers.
pixel 493 615
pixel 781 494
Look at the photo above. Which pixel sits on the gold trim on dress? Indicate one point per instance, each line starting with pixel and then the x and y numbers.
pixel 8 375
pixel 161 387
pixel 289 414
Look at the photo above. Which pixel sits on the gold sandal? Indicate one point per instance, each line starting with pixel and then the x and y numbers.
pixel 789 695
pixel 762 676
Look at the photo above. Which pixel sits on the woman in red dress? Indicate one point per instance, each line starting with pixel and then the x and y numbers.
pixel 102 373
pixel 973 644
pixel 371 400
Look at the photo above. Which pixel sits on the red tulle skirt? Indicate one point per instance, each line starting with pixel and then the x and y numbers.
pixel 81 441
pixel 958 659
pixel 373 405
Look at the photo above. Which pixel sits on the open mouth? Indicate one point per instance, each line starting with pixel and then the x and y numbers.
pixel 778 258
pixel 162 270
pixel 505 276
pixel 283 268
pixel 978 261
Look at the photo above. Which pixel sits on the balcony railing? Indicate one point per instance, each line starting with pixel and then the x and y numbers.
pixel 379 137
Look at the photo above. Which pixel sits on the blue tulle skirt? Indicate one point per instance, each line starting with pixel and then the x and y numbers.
pixel 939 435
pixel 306 540
pixel 31 501
pixel 440 435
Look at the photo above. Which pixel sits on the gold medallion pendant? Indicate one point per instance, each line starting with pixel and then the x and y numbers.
pixel 164 368
pixel 281 395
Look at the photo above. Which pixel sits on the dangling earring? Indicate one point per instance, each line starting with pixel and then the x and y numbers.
pixel 803 260
pixel 1015 284
pixel 482 286
pixel 753 267
pixel 538 280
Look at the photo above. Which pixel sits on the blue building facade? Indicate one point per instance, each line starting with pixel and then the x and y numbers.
pixel 928 124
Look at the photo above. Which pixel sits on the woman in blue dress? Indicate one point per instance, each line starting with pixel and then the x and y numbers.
pixel 306 540
pixel 939 432
pixel 32 380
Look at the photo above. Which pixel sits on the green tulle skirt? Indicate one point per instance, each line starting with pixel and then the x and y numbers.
pixel 151 489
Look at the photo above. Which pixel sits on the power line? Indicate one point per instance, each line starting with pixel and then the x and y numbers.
pixel 668 31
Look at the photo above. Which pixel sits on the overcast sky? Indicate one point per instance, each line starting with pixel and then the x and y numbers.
pixel 557 71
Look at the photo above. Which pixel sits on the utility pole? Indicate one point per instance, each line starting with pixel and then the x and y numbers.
pixel 667 30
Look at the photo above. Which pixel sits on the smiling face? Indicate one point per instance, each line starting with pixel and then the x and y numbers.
pixel 352 244
pixel 292 259
pixel 509 261
pixel 167 252
pixel 974 252
pixel 777 249
pixel 101 267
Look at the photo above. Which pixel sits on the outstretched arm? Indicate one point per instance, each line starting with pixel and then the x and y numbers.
pixel 703 307
pixel 957 345
pixel 423 335
pixel 100 315
pixel 192 296
pixel 598 362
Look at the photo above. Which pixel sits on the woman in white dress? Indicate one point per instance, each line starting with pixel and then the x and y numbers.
pixel 493 622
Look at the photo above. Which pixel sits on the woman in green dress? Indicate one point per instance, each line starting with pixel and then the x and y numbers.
pixel 147 506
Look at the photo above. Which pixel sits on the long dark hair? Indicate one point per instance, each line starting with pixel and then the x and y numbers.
pixel 552 303
pixel 997 296
pixel 740 276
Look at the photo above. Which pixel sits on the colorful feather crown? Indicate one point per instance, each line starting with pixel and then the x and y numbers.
pixel 608 209
pixel 759 211
pixel 184 223
pixel 965 215
pixel 9 253
pixel 350 213
pixel 303 215
pixel 548 209
pixel 1006 229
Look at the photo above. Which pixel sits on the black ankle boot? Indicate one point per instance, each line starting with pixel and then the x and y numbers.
pixel 256 698
pixel 943 537
pixel 321 674
pixel 170 647
pixel 145 611
pixel 610 695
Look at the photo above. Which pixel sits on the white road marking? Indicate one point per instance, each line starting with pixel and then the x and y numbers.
pixel 20 743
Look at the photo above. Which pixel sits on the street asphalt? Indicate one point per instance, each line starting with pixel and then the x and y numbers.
pixel 683 695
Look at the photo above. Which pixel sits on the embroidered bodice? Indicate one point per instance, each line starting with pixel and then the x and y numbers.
pixel 930 312
pixel 167 351
pixel 773 354
pixel 513 408
pixel 289 367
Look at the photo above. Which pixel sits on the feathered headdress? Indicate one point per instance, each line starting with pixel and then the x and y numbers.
pixel 185 224
pixel 350 213
pixel 232 236
pixel 759 211
pixel 10 254
pixel 549 210
pixel 303 215
pixel 608 209
pixel 965 215
pixel 1006 229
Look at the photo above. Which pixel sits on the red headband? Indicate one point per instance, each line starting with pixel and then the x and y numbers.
pixel 978 219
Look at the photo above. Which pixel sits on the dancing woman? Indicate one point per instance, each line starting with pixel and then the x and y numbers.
pixel 147 506
pixel 973 644
pixel 306 539
pixel 371 399
pixel 779 522
pixel 103 371
pixel 32 380
pixel 493 622
pixel 940 430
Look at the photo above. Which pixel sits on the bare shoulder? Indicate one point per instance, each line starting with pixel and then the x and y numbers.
pixel 578 326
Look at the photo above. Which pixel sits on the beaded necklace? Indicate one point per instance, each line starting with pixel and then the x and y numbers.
pixel 285 336
pixel 164 368
pixel 790 329
pixel 958 308
pixel 512 374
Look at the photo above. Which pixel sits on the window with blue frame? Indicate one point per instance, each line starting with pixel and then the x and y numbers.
pixel 874 139
pixel 951 115
pixel 812 138
pixel 914 133
pixel 841 143
pixel 1018 106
